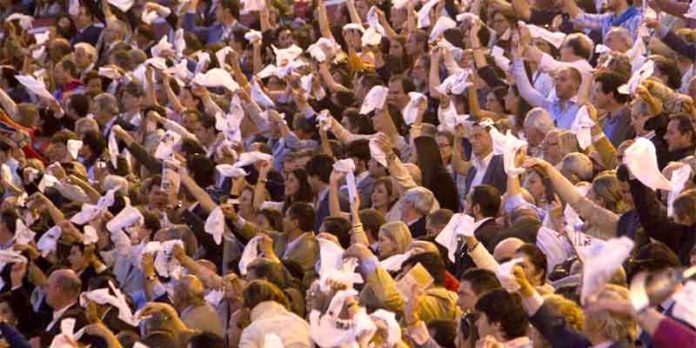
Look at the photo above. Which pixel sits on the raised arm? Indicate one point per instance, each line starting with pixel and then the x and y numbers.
pixel 197 192
pixel 323 19
pixel 173 99
pixel 8 104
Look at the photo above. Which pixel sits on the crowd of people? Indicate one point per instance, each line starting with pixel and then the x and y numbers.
pixel 347 173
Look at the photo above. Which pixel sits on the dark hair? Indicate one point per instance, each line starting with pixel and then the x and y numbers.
pixel 9 218
pixel 274 217
pixel 304 214
pixel 206 121
pixel 202 169
pixel 669 68
pixel 487 197
pixel 653 257
pixel 151 221
pixel 155 180
pixel 575 42
pixel 481 280
pixel 96 143
pixel 206 340
pixel 440 217
pixel 406 83
pixel 536 257
pixel 258 291
pixel 505 309
pixel 422 38
pixel 610 82
pixel 339 227
pixel 684 124
pixel 133 88
pixel 320 166
pixel 363 123
pixel 436 178
pixel 432 262
pixel 372 220
pixel 232 6
pixel 360 149
pixel 304 192
pixel 70 67
pixel 444 332
pixel 80 103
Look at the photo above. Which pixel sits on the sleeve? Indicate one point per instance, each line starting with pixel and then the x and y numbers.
pixel 554 329
pixel 13 337
pixel 605 219
pixel 671 333
pixel 294 142
pixel 150 162
pixel 591 21
pixel 247 340
pixel 190 25
pixel 400 174
pixel 654 218
pixel 676 43
pixel 525 87
pixel 483 258
pixel 383 285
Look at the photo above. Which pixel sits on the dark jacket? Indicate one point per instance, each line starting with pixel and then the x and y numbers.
pixel 485 234
pixel 495 175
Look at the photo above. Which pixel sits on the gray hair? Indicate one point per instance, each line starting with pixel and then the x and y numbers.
pixel 422 199
pixel 89 50
pixel 576 167
pixel 106 102
pixel 539 119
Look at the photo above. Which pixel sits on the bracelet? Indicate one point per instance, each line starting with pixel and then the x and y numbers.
pixel 357 226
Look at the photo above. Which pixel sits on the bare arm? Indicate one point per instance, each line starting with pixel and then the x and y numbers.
pixel 323 18
pixel 171 96
pixel 198 193
pixel 8 104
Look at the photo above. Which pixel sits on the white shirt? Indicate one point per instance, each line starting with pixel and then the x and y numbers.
pixel 481 166
pixel 56 315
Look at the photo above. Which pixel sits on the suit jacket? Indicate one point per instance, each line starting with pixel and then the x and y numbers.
pixel 418 228
pixel 364 188
pixel 305 253
pixel 322 210
pixel 495 175
pixel 210 34
pixel 203 318
pixel 485 233
pixel 74 311
pixel 90 35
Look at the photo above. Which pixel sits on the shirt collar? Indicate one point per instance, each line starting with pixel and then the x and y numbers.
pixel 482 163
pixel 57 314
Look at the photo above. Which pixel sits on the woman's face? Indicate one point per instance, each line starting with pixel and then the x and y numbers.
pixel 380 196
pixel 535 186
pixel 292 185
pixel 512 102
pixel 396 49
pixel 285 39
pixel 445 148
pixel 262 222
pixel 492 103
pixel 420 70
pixel 385 245
pixel 246 200
pixel 76 258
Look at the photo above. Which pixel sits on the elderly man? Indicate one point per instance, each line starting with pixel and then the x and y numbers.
pixel 417 204
pixel 196 313
pixel 536 125
pixel 62 291
pixel 85 58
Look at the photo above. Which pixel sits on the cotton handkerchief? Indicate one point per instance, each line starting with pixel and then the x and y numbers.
pixel 394 262
pixel 679 179
pixel 252 157
pixel 253 36
pixel 443 23
pixel 35 86
pixel 216 78
pixel 123 5
pixel 505 276
pixel 459 225
pixel 127 217
pixel 600 264
pixel 507 145
pixel 371 37
pixel 410 112
pixel 348 166
pixel 26 22
pixel 641 159
pixel 215 225
pixel 554 38
pixel 423 15
pixel 374 100
pixel 49 241
pixel 249 254
pixel 645 71
pixel 377 153
pixel 161 47
pixel 582 127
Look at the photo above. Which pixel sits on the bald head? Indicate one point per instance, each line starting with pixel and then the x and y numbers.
pixel 505 250
pixel 62 288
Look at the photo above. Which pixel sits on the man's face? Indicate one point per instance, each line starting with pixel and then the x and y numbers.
pixel 396 95
pixel 485 327
pixel 675 139
pixel 82 58
pixel 289 224
pixel 600 99
pixel 158 197
pixel 83 18
pixel 566 87
pixel 94 86
pixel 57 152
pixel 552 148
pixel 285 39
pixel 467 297
pixel 130 102
pixel 481 142
pixel 500 24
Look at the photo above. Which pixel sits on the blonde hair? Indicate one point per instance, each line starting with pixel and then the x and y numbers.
pixel 399 233
pixel 606 186
pixel 616 327
pixel 570 310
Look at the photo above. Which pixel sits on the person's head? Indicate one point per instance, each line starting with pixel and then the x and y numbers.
pixel 84 17
pixel 339 227
pixel 483 201
pixel 533 263
pixel 653 257
pixel 85 55
pixel 227 11
pixel 206 340
pixel 495 100
pixel 536 125
pixel 131 96
pixel 506 249
pixel 394 238
pixel 382 193
pixel 8 225
pixel 319 171
pixel 534 184
pixel 606 90
pixel 500 315
pixel 156 195
pixel 416 43
pixel 577 167
pixel 104 106
pixel 58 150
pixel 206 132
pixel 481 141
pixel 568 80
pixel 399 87
pixel 437 220
pixel 77 257
pixel 359 152
pixel 372 220
pixel 259 291
pixel 65 71
pixel 667 71
pixel 473 284
pixel 445 142
pixel 417 202
pixel 188 292
pixel 114 32
pixel 576 46
pixel 606 192
pixel 618 39
pixel 299 218
pixel 500 23
pixel 93 144
pixel 603 325
pixel 680 132
pixel 296 183
pixel 62 288
pixel 685 208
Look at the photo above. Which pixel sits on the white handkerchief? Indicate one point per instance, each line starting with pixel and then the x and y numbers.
pixel 394 262
pixel 42 37
pixel 35 86
pixel 641 160
pixel 180 71
pixel 109 73
pixel 371 37
pixel 260 97
pixel 374 100
pixel 505 276
pixel 165 264
pixel 348 166
pixel 123 5
pixel 286 55
pixel 253 36
pixel 554 38
pixel 691 13
pixel 638 77
pixel 23 235
pixel 250 253
pixel 162 46
pixel 554 245
pixel 466 17
pixel 424 13
pixel 393 327
pixel 324 120
pixel 74 147
pixel 26 22
pixel 66 338
pixel 38 53
pixel 410 112
pixel 377 153
pixel 679 179
pixel 501 61
pixel 373 21
pixel 221 55
pixel 158 63
pixel 9 257
pixel 507 145
pixel 165 148
pixel 252 157
pixel 202 60
pixel 600 264
pixel 253 5
pixel 99 296
pixel 216 78
pixel 456 83
pixel 459 225
pixel 443 23
pixel 149 16
pixel 272 340
pixel 601 49
pixel 124 311
pixel 582 127
pixel 685 302
pixel 113 149
pixel 47 181
pixel 399 4
pixel 354 26
pixel 215 225
pixel 49 241
pixel 88 213
pixel 127 217
pixel 90 235
pixel 73 7
pixel 323 49
pixel 213 297
pixel 179 42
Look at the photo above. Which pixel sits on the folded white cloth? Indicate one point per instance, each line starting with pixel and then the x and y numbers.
pixel 90 235
pixel 253 5
pixel 601 49
pixel 161 47
pixel 348 166
pixel 456 83
pixel 377 153
pixel 74 147
pixel 325 330
pixel 373 21
pixel 443 23
pixel 685 302
pixel 127 217
pixel 25 22
pixel 374 100
pixel 179 43
pixel 149 16
pixel 216 78
pixel 600 264
pixel 34 86
pixel 49 241
pixel 165 148
pixel 285 56
pixel 507 145
pixel 123 5
pixel 23 235
pixel 691 13
pixel 249 254
pixel 213 297
pixel 394 262
pixel 113 149
pixel 202 61
pixel 332 266
pixel 582 127
pixel 554 38
pixel 645 71
pixel 410 112
pixel 215 225
pixel 253 36
pixel 505 276
pixel 641 159
pixel 423 15
pixel 229 171
pixel 679 179
pixel 252 157
pixel 459 225
pixel 393 327
pixel 165 264
pixel 371 37
pixel 354 26
pixel 68 337
pixel 221 55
